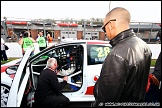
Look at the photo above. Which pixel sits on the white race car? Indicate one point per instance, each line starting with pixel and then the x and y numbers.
pixel 88 56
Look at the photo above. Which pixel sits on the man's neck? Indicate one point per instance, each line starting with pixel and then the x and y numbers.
pixel 52 69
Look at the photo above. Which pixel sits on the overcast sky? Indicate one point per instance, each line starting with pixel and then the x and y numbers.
pixel 139 10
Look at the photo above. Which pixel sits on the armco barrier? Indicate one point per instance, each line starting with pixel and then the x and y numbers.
pixel 15 49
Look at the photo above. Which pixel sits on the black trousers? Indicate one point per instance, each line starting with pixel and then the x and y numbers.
pixel 4 56
pixel 58 100
pixel 153 94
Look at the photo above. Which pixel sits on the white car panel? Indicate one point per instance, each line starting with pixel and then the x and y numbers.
pixel 6 79
pixel 13 96
pixel 22 87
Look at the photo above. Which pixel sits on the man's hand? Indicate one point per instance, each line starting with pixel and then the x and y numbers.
pixel 57 71
pixel 65 78
pixel 154 80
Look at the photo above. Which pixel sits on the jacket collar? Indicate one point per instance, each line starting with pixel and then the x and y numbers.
pixel 121 36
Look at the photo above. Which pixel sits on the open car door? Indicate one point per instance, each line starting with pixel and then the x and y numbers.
pixel 19 82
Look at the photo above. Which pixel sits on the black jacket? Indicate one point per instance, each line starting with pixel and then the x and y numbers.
pixel 157 69
pixel 47 85
pixel 124 73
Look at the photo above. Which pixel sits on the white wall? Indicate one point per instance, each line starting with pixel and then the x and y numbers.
pixel 15 49
pixel 156 49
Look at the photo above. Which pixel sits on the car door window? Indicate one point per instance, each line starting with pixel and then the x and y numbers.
pixel 62 54
pixel 69 57
pixel 97 54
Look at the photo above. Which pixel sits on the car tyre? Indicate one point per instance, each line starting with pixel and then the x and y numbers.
pixel 4 94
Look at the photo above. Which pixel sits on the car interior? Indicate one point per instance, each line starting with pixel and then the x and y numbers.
pixel 62 54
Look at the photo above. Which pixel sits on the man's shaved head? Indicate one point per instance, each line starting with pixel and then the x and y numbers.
pixel 119 13
pixel 116 21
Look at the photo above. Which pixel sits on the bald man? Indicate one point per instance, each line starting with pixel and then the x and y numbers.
pixel 124 73
pixel 48 92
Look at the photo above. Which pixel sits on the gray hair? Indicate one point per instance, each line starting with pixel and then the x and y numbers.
pixel 51 62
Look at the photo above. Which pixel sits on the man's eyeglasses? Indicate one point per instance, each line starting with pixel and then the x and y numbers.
pixel 103 28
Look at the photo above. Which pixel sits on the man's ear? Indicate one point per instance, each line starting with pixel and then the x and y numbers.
pixel 55 64
pixel 111 25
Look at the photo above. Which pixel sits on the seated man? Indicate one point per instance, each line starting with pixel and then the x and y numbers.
pixel 48 92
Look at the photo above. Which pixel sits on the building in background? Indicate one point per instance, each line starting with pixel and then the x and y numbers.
pixel 89 30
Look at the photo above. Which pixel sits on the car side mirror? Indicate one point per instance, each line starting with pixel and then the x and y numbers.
pixel 11 70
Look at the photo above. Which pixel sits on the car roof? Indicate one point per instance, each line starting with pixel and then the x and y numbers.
pixel 84 41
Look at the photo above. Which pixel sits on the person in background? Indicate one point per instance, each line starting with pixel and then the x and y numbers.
pixel 48 92
pixel 42 41
pixel 14 37
pixel 21 35
pixel 3 51
pixel 154 81
pixel 158 37
pixel 27 42
pixel 49 38
pixel 125 71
